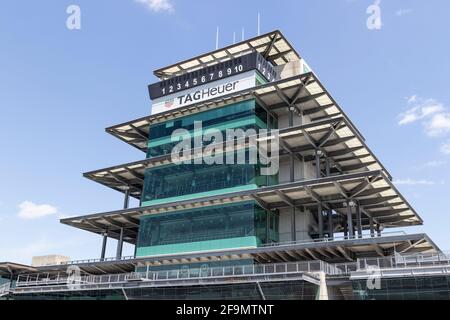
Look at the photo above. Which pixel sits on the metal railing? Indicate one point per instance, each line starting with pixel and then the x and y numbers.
pixel 228 273
pixel 110 259
pixel 410 260
pixel 396 265
pixel 274 244
pixel 331 239
pixel 5 288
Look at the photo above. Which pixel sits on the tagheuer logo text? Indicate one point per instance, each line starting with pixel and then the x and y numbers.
pixel 207 93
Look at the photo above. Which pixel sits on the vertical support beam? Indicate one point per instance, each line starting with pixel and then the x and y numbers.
pixel 372 230
pixel 105 239
pixel 292 167
pixel 330 224
pixel 358 221
pixel 320 219
pixel 350 221
pixel 327 166
pixel 317 163
pixel 300 115
pixel 293 227
pixel 126 200
pixel 291 117
pixel 119 245
pixel 126 203
pixel 345 229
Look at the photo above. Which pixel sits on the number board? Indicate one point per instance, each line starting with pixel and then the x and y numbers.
pixel 213 73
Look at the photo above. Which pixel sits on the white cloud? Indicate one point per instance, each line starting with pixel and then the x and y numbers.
pixel 434 163
pixel 412 99
pixel 402 12
pixel 412 182
pixel 432 114
pixel 30 210
pixel 445 148
pixel 421 109
pixel 438 125
pixel 158 5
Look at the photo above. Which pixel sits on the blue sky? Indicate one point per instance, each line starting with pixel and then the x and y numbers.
pixel 60 88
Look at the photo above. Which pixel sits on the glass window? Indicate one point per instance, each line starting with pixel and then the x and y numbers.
pixel 245 115
pixel 185 179
pixel 210 223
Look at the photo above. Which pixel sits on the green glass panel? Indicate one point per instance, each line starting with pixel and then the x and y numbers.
pixel 244 115
pixel 210 228
pixel 176 181
pixel 188 247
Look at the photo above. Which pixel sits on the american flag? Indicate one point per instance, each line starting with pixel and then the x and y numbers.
pixel 168 104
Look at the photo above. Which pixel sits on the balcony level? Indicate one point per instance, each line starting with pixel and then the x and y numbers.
pixel 293 101
pixel 348 204
pixel 332 146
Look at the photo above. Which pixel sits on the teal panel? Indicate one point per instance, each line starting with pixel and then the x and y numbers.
pixel 210 245
pixel 236 123
pixel 223 227
pixel 244 115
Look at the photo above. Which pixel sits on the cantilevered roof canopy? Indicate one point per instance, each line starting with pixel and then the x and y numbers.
pixel 372 190
pixel 303 94
pixel 334 137
pixel 273 46
pixel 331 251
pixel 8 269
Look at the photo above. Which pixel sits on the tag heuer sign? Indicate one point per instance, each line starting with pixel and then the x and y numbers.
pixel 202 93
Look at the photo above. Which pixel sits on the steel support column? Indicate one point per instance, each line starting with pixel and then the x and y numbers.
pixel 372 230
pixel 320 219
pixel 350 221
pixel 119 245
pixel 126 200
pixel 293 226
pixel 317 155
pixel 105 239
pixel 345 230
pixel 330 224
pixel 327 166
pixel 358 221
pixel 291 117
pixel 126 203
pixel 292 168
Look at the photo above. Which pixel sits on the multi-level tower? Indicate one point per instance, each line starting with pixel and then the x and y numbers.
pixel 331 200
pixel 329 186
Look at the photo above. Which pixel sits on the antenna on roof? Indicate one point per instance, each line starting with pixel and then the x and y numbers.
pixel 243 34
pixel 259 24
pixel 217 38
